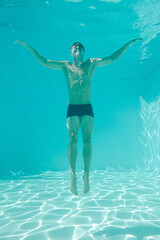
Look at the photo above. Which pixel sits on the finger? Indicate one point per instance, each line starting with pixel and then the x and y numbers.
pixel 17 41
pixel 140 39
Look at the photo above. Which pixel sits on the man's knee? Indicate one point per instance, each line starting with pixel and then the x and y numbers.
pixel 87 140
pixel 73 138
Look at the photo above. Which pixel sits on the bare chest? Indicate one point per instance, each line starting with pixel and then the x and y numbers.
pixel 79 76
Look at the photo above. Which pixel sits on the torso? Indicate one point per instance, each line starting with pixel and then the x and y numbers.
pixel 79 80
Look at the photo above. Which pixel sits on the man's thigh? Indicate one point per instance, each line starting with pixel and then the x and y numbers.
pixel 73 125
pixel 87 126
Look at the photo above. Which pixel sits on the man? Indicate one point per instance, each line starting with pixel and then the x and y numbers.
pixel 80 113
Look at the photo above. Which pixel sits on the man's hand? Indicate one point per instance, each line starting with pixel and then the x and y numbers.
pixel 135 40
pixel 23 44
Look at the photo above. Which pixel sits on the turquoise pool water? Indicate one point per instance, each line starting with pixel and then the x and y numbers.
pixel 35 197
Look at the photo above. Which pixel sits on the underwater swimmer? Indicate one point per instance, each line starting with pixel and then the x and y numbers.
pixel 80 113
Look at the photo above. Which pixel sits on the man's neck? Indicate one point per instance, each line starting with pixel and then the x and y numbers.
pixel 78 62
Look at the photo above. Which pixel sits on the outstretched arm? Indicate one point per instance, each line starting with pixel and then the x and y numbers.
pixel 115 56
pixel 47 63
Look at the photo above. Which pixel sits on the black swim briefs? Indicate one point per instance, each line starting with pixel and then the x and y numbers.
pixel 79 110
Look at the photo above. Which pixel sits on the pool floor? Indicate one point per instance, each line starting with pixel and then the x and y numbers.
pixel 120 205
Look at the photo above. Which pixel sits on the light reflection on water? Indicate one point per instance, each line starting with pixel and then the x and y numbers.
pixel 150 137
pixel 120 205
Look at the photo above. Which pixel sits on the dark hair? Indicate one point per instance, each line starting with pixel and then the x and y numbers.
pixel 77 44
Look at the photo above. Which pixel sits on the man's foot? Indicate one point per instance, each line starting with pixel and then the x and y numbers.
pixel 74 184
pixel 86 186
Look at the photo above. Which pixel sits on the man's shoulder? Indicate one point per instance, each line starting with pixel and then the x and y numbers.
pixel 93 60
pixel 67 64
pixel 89 61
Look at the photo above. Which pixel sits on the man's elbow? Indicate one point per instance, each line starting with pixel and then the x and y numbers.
pixel 44 63
pixel 114 59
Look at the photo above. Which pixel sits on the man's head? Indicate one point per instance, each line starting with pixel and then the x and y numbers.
pixel 77 50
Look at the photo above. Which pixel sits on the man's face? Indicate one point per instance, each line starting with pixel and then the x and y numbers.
pixel 77 52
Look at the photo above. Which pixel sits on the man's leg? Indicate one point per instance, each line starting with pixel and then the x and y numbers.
pixel 73 127
pixel 87 126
